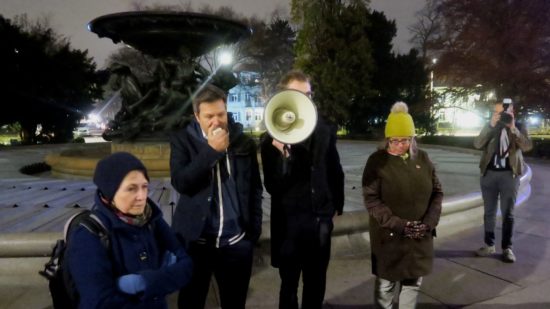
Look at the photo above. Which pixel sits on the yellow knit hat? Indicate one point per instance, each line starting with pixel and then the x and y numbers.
pixel 400 122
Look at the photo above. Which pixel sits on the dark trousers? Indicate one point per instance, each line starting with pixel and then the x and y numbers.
pixel 307 254
pixel 231 266
pixel 495 186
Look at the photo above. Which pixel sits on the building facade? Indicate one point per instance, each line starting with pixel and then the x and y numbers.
pixel 245 101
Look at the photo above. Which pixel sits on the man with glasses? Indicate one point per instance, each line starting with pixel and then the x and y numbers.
pixel 304 197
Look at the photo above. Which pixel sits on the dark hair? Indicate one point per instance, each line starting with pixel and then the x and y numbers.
pixel 208 94
pixel 292 76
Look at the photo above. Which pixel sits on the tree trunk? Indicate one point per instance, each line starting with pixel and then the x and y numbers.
pixel 27 133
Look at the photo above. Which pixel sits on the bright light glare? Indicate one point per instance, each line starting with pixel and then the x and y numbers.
pixel 466 119
pixel 225 58
pixel 94 118
pixel 534 120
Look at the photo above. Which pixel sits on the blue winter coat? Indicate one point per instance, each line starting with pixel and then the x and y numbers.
pixel 134 250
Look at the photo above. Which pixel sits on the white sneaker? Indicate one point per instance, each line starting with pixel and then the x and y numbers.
pixel 508 256
pixel 486 250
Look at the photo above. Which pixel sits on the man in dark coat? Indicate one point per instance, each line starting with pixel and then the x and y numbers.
pixel 305 195
pixel 214 167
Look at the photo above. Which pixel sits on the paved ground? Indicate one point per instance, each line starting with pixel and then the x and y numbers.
pixel 459 279
pixel 43 203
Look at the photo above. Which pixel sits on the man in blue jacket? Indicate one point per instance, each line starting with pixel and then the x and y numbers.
pixel 214 167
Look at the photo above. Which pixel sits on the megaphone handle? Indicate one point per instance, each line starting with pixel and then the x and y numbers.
pixel 286 150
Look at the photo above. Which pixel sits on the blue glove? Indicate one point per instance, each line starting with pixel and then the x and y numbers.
pixel 169 259
pixel 131 284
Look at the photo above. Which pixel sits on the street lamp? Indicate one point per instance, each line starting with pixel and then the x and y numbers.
pixel 225 58
pixel 434 61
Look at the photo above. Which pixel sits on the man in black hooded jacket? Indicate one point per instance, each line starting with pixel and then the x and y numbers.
pixel 214 168
pixel 305 195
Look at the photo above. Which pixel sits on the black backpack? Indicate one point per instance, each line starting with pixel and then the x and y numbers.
pixel 61 285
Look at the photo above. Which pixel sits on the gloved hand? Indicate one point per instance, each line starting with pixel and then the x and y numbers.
pixel 409 230
pixel 415 229
pixel 422 230
pixel 131 283
pixel 168 259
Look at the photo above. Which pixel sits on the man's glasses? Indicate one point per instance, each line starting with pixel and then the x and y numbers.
pixel 404 141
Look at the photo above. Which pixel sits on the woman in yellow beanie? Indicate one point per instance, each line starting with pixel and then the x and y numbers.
pixel 403 197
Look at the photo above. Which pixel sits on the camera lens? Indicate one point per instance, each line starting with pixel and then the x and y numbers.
pixel 505 118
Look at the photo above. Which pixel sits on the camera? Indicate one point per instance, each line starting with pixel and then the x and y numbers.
pixel 505 118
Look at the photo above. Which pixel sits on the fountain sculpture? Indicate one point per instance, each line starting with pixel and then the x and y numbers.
pixel 150 109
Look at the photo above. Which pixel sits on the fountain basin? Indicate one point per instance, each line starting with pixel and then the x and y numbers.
pixel 80 162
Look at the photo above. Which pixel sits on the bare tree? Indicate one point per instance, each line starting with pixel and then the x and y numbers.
pixel 493 45
pixel 427 30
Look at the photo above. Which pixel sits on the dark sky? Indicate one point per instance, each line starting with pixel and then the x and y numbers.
pixel 69 17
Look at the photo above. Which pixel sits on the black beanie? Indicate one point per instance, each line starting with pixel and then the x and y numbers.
pixel 110 172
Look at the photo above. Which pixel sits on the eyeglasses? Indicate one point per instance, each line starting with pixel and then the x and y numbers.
pixel 396 142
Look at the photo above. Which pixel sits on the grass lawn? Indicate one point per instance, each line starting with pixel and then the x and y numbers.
pixel 6 138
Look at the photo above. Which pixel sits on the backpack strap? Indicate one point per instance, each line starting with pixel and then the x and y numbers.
pixel 94 225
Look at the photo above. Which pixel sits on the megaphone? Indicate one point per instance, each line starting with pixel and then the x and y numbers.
pixel 290 116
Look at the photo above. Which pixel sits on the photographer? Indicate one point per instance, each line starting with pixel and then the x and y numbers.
pixel 501 165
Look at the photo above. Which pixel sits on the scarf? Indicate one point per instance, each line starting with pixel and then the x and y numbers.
pixel 503 149
pixel 136 220
pixel 404 156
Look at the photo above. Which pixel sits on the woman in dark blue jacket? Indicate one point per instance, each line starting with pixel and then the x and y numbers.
pixel 145 262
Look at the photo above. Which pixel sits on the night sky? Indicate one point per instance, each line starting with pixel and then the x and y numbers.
pixel 70 17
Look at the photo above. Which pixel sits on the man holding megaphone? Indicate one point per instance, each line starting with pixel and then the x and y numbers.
pixel 303 175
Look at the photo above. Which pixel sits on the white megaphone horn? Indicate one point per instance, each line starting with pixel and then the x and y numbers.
pixel 290 116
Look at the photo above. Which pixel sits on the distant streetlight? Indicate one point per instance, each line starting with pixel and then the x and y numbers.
pixel 434 61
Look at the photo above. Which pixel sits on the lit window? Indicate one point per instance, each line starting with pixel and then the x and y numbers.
pixel 258 116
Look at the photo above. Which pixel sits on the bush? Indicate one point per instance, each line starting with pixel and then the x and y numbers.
pixel 541 148
pixel 35 168
pixel 455 141
pixel 15 142
pixel 79 140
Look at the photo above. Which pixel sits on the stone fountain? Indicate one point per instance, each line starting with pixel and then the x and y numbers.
pixel 150 109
